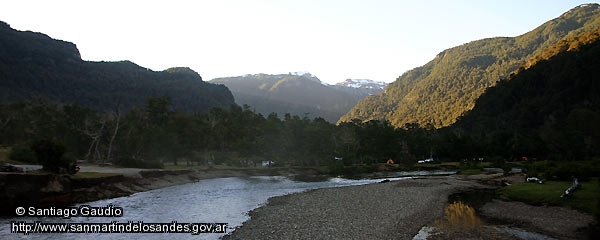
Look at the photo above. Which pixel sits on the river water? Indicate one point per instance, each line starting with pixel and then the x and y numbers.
pixel 219 200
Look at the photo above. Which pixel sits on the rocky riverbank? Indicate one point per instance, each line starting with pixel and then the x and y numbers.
pixel 559 222
pixel 390 210
pixel 402 209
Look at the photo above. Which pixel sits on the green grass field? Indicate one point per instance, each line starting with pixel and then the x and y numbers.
pixel 584 199
pixel 470 172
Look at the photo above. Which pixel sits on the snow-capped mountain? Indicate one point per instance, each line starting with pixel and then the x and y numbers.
pixel 362 84
pixel 308 76
pixel 297 93
pixel 303 73
pixel 361 87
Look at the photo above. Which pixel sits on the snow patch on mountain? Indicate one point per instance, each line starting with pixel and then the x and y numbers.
pixel 362 83
pixel 308 76
pixel 303 73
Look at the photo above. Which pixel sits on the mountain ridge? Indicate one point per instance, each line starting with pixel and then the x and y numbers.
pixel 34 65
pixel 440 91
pixel 549 109
pixel 301 94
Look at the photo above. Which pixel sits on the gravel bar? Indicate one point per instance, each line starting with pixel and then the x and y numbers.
pixel 390 210
pixel 560 222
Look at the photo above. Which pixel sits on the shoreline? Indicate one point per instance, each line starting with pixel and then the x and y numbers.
pixel 390 210
pixel 146 180
pixel 44 190
pixel 400 210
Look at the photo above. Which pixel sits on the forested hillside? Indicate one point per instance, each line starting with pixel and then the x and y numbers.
pixel 550 108
pixel 33 66
pixel 443 89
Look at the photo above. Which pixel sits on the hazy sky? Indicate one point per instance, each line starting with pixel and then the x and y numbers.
pixel 334 40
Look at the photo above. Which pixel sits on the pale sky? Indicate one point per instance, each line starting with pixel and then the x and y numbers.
pixel 332 39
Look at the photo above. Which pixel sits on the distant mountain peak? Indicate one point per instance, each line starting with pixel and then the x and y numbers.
pixel 183 71
pixel 362 83
pixel 30 45
pixel 303 74
pixel 587 6
pixel 4 24
pixel 296 93
pixel 294 75
pixel 308 76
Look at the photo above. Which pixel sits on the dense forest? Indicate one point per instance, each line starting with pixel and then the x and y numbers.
pixel 549 109
pixel 442 90
pixel 151 135
pixel 33 65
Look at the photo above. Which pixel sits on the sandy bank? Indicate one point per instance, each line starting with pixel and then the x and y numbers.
pixel 392 210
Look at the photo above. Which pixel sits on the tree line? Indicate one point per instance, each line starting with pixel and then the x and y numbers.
pixel 155 134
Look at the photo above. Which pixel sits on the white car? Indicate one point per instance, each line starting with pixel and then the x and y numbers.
pixel 534 179
pixel 425 161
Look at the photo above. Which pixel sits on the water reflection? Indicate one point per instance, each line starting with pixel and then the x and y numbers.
pixel 460 221
pixel 459 216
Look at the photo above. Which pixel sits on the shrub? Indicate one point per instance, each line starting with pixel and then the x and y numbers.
pixel 50 153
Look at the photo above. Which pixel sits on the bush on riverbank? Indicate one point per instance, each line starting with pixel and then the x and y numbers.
pixel 51 155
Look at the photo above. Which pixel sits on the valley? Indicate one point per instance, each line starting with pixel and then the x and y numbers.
pixel 492 110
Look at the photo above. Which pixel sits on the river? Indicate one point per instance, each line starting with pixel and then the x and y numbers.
pixel 219 200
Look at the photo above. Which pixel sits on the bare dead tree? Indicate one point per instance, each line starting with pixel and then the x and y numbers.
pixel 95 136
pixel 112 139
